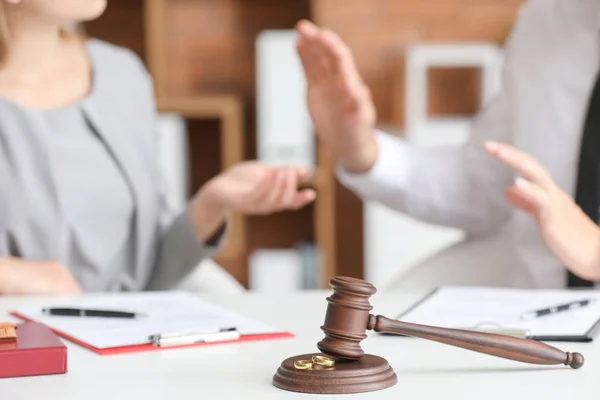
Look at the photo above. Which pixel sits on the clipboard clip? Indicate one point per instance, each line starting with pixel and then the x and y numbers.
pixel 495 328
pixel 194 336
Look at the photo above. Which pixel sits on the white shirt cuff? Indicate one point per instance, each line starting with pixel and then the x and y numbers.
pixel 389 174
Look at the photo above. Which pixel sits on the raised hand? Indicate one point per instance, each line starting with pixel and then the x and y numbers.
pixel 339 102
pixel 566 230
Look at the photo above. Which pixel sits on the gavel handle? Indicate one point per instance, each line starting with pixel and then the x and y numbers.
pixel 524 350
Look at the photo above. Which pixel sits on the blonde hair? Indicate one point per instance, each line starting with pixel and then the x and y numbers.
pixel 4 40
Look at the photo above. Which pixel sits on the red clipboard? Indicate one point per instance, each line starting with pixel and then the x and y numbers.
pixel 149 347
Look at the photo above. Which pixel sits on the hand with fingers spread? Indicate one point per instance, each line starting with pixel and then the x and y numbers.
pixel 565 229
pixel 249 188
pixel 339 102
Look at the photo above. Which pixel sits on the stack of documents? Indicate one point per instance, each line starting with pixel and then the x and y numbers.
pixel 565 315
pixel 157 314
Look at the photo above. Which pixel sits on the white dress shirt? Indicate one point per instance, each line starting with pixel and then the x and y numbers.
pixel 552 61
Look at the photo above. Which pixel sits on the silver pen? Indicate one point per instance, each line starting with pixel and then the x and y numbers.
pixel 194 336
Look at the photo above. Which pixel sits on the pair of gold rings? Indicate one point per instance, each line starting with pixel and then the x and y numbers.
pixel 320 361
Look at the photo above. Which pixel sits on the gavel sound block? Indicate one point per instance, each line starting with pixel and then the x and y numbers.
pixel 348 318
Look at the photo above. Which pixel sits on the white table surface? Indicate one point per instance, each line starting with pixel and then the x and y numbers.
pixel 426 370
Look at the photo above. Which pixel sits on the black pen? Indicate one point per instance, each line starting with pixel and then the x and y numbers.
pixel 557 309
pixel 76 312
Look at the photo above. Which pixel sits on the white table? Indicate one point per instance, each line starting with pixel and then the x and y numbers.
pixel 426 370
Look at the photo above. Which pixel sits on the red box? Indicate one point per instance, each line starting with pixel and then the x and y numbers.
pixel 36 351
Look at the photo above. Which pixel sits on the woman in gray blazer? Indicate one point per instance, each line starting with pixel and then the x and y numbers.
pixel 82 206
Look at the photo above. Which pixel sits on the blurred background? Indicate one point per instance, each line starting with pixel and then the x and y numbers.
pixel 229 87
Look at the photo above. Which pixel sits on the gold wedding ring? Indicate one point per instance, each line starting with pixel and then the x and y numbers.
pixel 323 361
pixel 317 361
pixel 303 364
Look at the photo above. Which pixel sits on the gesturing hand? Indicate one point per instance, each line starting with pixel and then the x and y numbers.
pixel 255 188
pixel 249 188
pixel 567 231
pixel 339 102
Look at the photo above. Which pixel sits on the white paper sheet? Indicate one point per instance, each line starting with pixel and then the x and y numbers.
pixel 468 307
pixel 165 312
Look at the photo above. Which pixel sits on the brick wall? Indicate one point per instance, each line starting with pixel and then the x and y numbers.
pixel 378 31
pixel 213 41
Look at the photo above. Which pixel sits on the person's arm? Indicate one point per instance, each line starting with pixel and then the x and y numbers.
pixel 27 277
pixel 453 186
pixel 566 230
pixel 250 187
pixel 247 188
pixel 182 238
pixel 457 186
pixel 20 276
pixel 181 249
pixel 185 238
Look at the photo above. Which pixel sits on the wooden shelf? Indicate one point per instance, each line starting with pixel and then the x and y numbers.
pixel 201 106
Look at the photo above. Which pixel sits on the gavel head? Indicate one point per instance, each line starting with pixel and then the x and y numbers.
pixel 347 318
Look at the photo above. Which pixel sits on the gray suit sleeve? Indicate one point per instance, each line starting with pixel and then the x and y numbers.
pixel 179 250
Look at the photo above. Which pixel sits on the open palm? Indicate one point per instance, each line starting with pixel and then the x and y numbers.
pixel 339 102
pixel 255 188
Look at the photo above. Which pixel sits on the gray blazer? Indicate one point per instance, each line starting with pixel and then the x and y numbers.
pixel 122 112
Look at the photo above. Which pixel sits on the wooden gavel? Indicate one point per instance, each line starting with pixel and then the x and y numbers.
pixel 348 318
